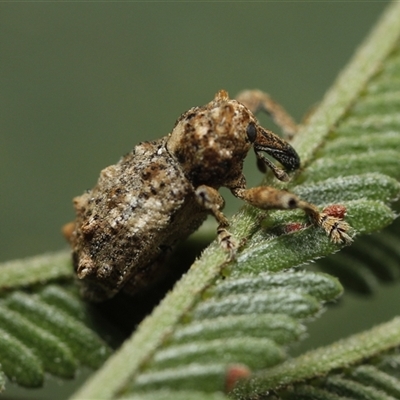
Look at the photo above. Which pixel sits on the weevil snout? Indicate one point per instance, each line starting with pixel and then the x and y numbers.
pixel 267 142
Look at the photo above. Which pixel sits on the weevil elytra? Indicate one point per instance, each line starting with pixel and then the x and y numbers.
pixel 163 190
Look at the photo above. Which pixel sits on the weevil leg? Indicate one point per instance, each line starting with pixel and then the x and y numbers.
pixel 210 199
pixel 267 198
pixel 68 230
pixel 336 228
pixel 256 100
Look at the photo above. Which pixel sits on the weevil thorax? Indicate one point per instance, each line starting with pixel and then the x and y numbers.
pixel 211 142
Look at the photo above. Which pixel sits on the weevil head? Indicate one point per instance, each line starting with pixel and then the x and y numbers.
pixel 211 142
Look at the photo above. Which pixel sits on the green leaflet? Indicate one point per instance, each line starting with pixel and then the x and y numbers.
pixel 56 357
pixel 299 247
pixel 370 260
pixel 88 349
pixel 371 186
pixel 242 320
pixel 176 395
pixel 368 374
pixel 287 302
pixel 348 142
pixel 18 362
pixel 278 327
pixel 66 301
pixel 384 161
pixel 321 286
pixel 228 351
pixel 325 359
pixel 308 392
pixel 37 337
pixel 354 390
pixel 35 270
pixel 208 378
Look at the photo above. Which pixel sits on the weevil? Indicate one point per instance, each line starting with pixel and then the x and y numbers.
pixel 163 190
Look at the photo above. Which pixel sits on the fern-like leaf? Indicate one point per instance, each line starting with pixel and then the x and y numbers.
pixel 364 366
pixel 45 332
pixel 197 338
pixel 370 260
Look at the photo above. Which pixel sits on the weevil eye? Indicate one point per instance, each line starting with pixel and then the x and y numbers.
pixel 251 131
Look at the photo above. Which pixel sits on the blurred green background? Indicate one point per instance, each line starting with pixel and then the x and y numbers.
pixel 82 83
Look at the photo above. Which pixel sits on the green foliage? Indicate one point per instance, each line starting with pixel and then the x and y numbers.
pixel 370 260
pixel 372 380
pixel 227 326
pixel 257 288
pixel 35 270
pixel 242 321
pixel 41 335
pixel 323 360
pixel 18 361
pixel 176 395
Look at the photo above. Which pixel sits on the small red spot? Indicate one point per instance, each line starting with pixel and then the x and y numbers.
pixel 233 374
pixel 335 210
pixel 293 227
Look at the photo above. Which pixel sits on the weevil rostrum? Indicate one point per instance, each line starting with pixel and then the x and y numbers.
pixel 163 190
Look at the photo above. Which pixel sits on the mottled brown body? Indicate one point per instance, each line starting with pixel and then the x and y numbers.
pixel 163 190
pixel 136 213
